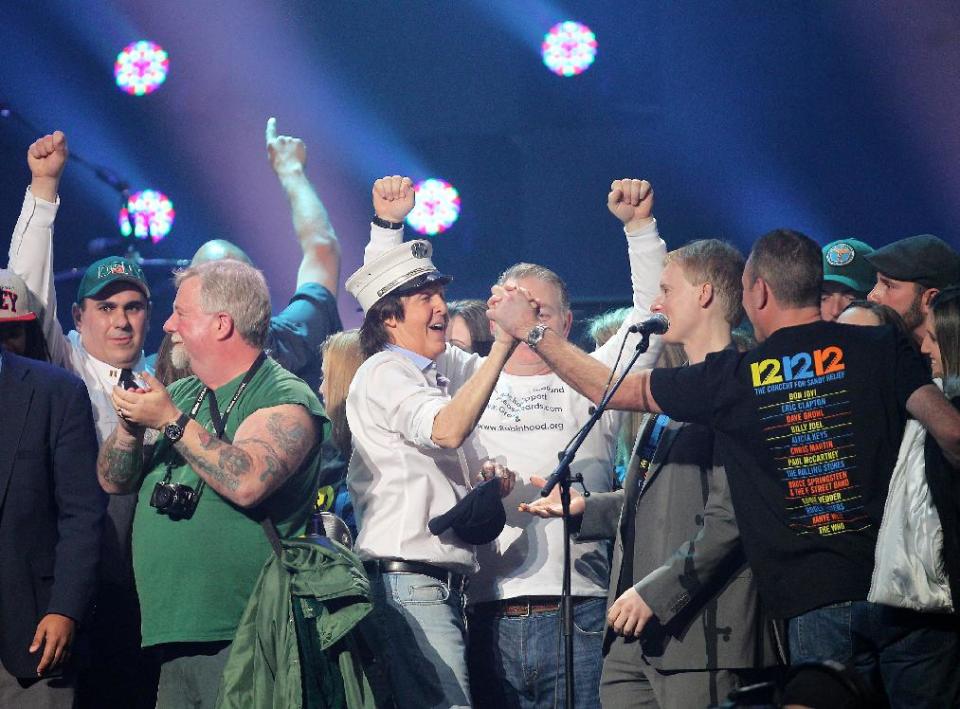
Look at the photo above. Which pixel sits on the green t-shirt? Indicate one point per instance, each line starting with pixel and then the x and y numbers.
pixel 194 576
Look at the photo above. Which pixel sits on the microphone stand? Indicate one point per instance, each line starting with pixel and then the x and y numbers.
pixel 561 476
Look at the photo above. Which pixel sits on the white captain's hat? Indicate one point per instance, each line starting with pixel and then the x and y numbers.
pixel 400 270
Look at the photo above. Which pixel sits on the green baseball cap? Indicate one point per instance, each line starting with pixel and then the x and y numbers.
pixel 845 262
pixel 109 270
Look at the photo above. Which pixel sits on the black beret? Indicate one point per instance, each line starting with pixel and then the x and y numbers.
pixel 924 259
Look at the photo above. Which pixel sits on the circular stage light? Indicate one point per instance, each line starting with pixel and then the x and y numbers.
pixel 569 48
pixel 438 207
pixel 141 67
pixel 151 213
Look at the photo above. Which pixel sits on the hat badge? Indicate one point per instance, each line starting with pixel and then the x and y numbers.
pixel 419 249
pixel 841 254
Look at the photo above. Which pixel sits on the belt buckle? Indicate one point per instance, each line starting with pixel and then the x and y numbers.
pixel 523 614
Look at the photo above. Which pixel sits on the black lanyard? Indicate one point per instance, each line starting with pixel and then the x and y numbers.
pixel 220 423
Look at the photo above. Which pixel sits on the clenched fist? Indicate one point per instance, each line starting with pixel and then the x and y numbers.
pixel 393 198
pixel 46 158
pixel 631 201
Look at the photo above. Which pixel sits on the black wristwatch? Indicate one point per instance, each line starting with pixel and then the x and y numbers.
pixel 385 224
pixel 535 335
pixel 173 432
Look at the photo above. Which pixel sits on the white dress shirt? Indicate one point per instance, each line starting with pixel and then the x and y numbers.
pixel 526 422
pixel 31 258
pixel 398 477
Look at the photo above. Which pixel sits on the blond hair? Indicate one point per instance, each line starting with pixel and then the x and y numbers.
pixel 342 357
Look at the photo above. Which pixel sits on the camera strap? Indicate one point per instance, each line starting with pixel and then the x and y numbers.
pixel 220 422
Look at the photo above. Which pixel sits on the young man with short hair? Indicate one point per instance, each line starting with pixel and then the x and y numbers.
pixel 684 621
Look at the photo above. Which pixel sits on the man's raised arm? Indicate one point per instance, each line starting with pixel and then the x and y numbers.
pixel 631 201
pixel 321 249
pixel 515 310
pixel 31 248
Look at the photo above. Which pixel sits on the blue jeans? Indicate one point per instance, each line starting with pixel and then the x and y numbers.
pixel 913 657
pixel 418 631
pixel 518 662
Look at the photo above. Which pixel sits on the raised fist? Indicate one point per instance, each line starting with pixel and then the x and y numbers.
pixel 631 201
pixel 48 156
pixel 287 154
pixel 393 198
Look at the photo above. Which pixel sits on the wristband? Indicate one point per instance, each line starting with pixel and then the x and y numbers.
pixel 385 224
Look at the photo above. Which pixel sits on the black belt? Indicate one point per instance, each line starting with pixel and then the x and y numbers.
pixel 454 581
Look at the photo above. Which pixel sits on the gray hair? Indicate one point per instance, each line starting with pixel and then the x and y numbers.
pixel 237 289
pixel 522 270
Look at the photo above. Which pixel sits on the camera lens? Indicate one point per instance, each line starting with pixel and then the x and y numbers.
pixel 163 495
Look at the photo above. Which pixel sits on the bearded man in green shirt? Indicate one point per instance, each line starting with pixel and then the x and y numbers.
pixel 238 443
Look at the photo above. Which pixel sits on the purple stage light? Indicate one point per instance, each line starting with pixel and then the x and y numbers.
pixel 569 48
pixel 141 67
pixel 151 213
pixel 438 207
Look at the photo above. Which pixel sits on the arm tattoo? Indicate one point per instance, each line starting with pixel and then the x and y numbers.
pixel 232 463
pixel 272 465
pixel 119 462
pixel 288 434
pixel 226 465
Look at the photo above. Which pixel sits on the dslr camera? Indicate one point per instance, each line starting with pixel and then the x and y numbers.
pixel 174 500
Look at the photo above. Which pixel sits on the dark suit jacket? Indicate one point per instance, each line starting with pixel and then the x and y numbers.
pixel 687 561
pixel 51 505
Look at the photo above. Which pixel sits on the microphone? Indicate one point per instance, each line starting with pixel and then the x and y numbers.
pixel 657 324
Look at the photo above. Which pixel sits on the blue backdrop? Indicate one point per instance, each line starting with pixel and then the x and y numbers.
pixel 835 118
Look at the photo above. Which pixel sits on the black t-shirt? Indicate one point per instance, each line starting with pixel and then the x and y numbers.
pixel 808 426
